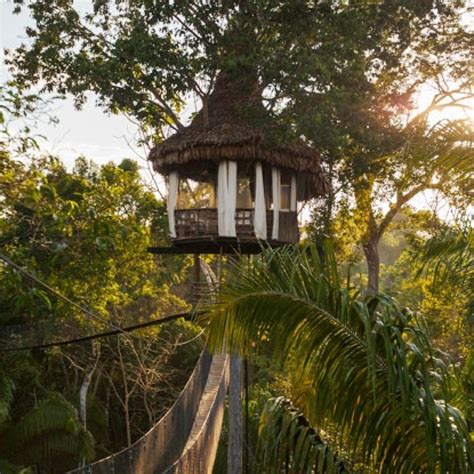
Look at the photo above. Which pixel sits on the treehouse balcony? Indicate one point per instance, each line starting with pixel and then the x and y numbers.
pixel 202 224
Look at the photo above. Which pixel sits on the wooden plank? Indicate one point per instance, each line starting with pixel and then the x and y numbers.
pixel 288 229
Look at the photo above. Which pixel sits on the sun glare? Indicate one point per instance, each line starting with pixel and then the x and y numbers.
pixel 459 107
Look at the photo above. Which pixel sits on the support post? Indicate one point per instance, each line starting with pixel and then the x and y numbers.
pixel 234 449
pixel 247 419
pixel 197 279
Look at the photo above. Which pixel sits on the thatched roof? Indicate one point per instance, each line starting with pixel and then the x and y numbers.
pixel 235 126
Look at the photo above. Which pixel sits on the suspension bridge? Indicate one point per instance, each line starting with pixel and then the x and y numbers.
pixel 186 438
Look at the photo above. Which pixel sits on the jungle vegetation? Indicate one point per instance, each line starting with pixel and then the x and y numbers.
pixel 373 313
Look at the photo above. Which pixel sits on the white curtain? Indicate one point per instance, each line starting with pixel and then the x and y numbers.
pixel 293 192
pixel 260 214
pixel 172 197
pixel 226 198
pixel 231 198
pixel 276 183
pixel 221 196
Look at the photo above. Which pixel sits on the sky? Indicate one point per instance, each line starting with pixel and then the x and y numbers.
pixel 90 131
pixel 100 136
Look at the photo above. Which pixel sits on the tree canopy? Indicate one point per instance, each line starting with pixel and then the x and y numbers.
pixel 340 74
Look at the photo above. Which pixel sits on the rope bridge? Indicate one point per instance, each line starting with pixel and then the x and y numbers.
pixel 185 439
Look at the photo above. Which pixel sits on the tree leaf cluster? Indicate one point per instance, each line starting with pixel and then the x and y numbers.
pixel 372 376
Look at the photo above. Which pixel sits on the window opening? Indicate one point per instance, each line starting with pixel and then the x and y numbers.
pixel 245 183
pixel 285 190
pixel 196 194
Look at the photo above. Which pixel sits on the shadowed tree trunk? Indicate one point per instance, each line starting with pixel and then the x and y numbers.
pixel 376 227
pixel 371 251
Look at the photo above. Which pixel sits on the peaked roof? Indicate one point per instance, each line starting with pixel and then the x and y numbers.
pixel 234 125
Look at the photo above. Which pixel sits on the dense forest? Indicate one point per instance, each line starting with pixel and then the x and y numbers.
pixel 358 341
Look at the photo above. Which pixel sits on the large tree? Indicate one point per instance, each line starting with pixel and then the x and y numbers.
pixel 339 73
pixel 141 58
pixel 379 151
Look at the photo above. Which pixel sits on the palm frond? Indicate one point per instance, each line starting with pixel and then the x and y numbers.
pixel 373 372
pixel 450 258
pixel 50 431
pixel 8 468
pixel 285 438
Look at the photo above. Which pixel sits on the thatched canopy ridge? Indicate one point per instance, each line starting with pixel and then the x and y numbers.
pixel 234 125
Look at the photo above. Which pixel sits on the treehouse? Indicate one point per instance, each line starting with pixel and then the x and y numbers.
pixel 234 181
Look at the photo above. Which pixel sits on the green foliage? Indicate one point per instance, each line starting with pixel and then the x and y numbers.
pixel 8 468
pixel 142 57
pixel 85 233
pixel 19 112
pixel 450 257
pixel 81 234
pixel 6 396
pixel 49 434
pixel 370 371
pixel 97 422
pixel 432 276
pixel 286 439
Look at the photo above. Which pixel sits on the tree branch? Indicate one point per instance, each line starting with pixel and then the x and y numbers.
pixel 400 202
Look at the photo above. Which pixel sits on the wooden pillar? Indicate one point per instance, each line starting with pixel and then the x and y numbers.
pixel 234 449
pixel 246 451
pixel 196 289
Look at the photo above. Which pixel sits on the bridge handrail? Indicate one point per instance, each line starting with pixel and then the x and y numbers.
pixel 199 456
pixel 163 444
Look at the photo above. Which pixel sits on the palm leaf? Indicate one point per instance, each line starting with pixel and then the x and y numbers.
pixel 374 375
pixel 49 432
pixel 450 258
pixel 8 468
pixel 285 435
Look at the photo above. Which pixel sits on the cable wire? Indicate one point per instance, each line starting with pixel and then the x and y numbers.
pixel 116 329
pixel 126 329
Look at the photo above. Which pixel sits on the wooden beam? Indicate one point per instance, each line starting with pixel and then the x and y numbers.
pixel 217 246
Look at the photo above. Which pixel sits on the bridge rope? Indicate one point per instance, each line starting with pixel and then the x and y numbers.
pixel 185 439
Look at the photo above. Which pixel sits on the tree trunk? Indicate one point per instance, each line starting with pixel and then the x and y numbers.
pixel 126 411
pixel 371 251
pixel 83 402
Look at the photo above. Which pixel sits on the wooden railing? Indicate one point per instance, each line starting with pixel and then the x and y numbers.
pixel 200 452
pixel 192 223
pixel 195 222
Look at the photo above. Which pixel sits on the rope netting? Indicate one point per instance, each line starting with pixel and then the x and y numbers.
pixel 185 439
